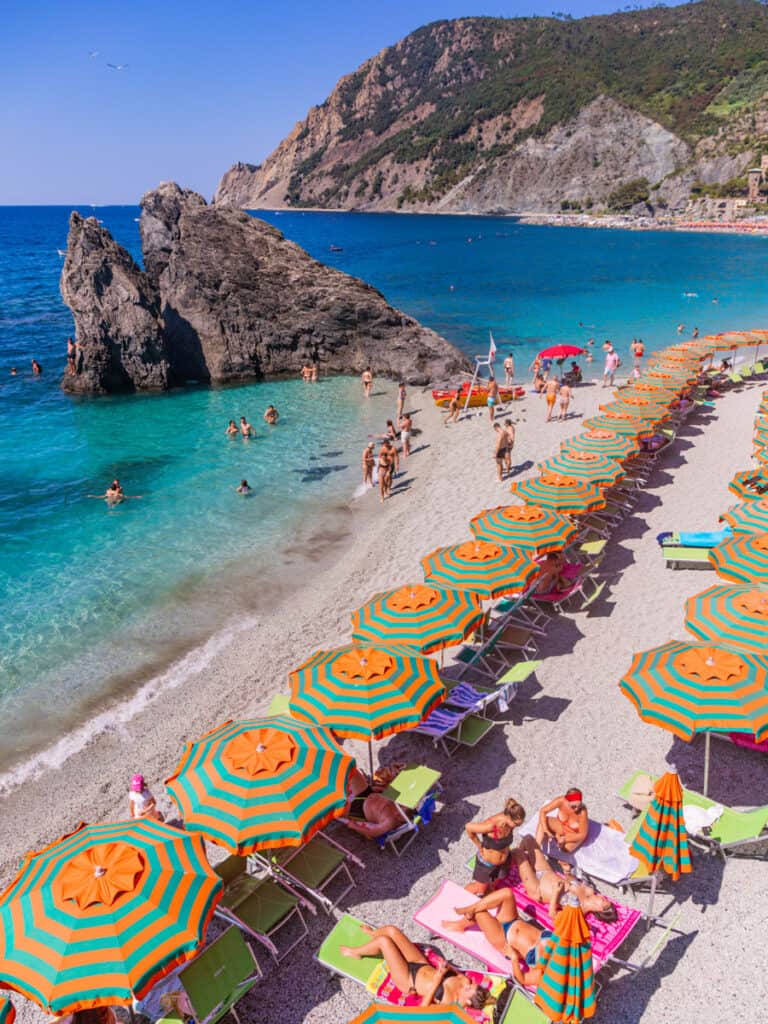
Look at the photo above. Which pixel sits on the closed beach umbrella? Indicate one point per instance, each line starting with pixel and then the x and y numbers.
pixel 426 618
pixel 566 990
pixel 748 517
pixel 607 442
pixel 743 559
pixel 735 615
pixel 530 527
pixel 380 1013
pixel 7 1011
pixel 591 467
pixel 750 484
pixel 99 916
pixel 366 693
pixel 261 783
pixel 487 567
pixel 661 842
pixel 566 494
pixel 697 687
pixel 630 426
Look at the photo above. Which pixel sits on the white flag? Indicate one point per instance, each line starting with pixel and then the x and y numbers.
pixel 491 348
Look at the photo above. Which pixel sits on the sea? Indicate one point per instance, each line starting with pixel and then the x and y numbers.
pixel 99 605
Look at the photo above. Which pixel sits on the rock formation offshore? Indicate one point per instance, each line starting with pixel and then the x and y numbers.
pixel 224 298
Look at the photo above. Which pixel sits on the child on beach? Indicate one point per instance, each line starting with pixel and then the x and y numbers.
pixel 141 803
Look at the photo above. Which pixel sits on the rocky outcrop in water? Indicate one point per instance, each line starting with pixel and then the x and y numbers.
pixel 228 298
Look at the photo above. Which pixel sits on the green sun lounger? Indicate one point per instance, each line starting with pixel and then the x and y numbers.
pixel 520 1010
pixel 279 704
pixel 315 867
pixel 218 978
pixel 732 831
pixel 678 557
pixel 348 931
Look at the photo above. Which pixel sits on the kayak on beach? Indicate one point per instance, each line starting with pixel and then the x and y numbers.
pixel 479 396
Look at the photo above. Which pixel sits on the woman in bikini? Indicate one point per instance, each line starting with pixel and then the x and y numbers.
pixel 565 820
pixel 545 885
pixel 386 466
pixel 493 838
pixel 412 972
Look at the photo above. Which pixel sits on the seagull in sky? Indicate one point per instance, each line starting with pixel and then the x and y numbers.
pixel 117 67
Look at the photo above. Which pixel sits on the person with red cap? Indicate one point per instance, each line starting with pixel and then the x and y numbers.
pixel 141 803
pixel 565 820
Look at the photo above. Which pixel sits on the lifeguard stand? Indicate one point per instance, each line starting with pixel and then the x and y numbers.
pixel 480 362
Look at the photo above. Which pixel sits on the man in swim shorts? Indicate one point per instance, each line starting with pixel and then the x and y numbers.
pixel 500 451
pixel 551 389
pixel 493 397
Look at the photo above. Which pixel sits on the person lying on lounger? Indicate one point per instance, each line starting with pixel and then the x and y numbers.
pixel 367 812
pixel 550 579
pixel 412 972
pixel 545 885
pixel 520 941
pixel 565 820
pixel 493 838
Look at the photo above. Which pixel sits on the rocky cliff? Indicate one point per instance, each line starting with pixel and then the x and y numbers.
pixel 526 114
pixel 225 297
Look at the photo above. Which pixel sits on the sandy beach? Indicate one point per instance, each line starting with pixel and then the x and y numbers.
pixel 569 725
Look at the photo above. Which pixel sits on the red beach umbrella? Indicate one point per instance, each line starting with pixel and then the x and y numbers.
pixel 560 352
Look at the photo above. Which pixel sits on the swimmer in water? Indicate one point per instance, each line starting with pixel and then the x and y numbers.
pixel 271 415
pixel 114 494
pixel 232 429
pixel 245 428
pixel 244 488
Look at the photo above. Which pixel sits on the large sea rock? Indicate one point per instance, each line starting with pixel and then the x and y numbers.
pixel 225 297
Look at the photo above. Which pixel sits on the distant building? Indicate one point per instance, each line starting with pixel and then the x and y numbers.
pixel 754 181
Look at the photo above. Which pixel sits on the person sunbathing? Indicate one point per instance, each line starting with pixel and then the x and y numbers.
pixel 493 838
pixel 367 812
pixel 518 940
pixel 550 578
pixel 545 885
pixel 569 824
pixel 412 972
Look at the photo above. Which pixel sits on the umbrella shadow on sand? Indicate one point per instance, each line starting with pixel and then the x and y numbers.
pixel 738 778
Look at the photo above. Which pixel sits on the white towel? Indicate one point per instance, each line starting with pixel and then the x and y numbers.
pixel 604 855
pixel 698 818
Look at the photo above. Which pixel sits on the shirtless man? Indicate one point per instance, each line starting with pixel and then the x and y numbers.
pixel 509 369
pixel 493 397
pixel 551 389
pixel 271 415
pixel 565 400
pixel 245 428
pixel 500 451
pixel 568 825
pixel 509 430
pixel 406 426
pixel 454 410
pixel 367 379
pixel 366 812
pixel 306 373
pixel 369 460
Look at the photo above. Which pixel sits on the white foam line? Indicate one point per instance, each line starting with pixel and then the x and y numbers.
pixel 118 717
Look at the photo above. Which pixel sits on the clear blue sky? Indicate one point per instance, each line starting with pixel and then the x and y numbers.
pixel 208 83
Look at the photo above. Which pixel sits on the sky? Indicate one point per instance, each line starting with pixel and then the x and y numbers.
pixel 206 84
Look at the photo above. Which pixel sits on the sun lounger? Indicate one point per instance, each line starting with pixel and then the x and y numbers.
pixel 520 1010
pixel 489 658
pixel 678 557
pixel 261 907
pixel 454 729
pixel 727 834
pixel 315 868
pixel 279 705
pixel 556 599
pixel 415 790
pixel 479 700
pixel 372 973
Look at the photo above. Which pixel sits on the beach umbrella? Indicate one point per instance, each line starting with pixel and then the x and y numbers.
pixel 668 374
pixel 366 692
pixel 698 687
pixel 425 618
pixel 743 559
pixel 7 1011
pixel 639 404
pixel 487 567
pixel 748 517
pixel 661 842
pixel 750 484
pixel 566 989
pixel 566 494
pixel 530 527
pixel 658 392
pixel 560 352
pixel 261 783
pixel 626 425
pixel 607 442
pixel 100 915
pixel 761 454
pixel 436 1013
pixel 648 413
pixel 736 615
pixel 591 467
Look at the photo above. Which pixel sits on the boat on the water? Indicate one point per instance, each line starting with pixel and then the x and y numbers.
pixel 479 396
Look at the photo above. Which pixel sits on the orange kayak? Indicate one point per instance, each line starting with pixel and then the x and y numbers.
pixel 442 397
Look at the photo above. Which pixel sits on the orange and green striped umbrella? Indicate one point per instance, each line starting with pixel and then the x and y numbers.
pixel 486 567
pixel 657 391
pixel 607 442
pixel 524 526
pixel 736 615
pixel 566 494
pixel 366 692
pixel 566 990
pixel 591 467
pixel 7 1011
pixel 642 408
pixel 96 918
pixel 698 687
pixel 761 455
pixel 748 517
pixel 630 426
pixel 425 618
pixel 750 484
pixel 743 559
pixel 261 783
pixel 436 1013
pixel 661 842
pixel 668 375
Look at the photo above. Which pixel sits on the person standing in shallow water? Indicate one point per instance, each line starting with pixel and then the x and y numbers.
pixel 369 460
pixel 509 369
pixel 493 397
pixel 367 379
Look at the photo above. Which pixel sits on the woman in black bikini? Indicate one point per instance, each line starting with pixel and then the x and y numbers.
pixel 412 972
pixel 493 838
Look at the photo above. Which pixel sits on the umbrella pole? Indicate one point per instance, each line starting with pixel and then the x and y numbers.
pixel 370 759
pixel 706 763
pixel 649 922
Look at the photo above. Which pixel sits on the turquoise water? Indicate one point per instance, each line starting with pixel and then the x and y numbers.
pixel 93 601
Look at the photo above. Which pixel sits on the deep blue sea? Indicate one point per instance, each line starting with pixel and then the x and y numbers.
pixel 94 601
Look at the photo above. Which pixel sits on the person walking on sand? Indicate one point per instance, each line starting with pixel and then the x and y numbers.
pixel 638 351
pixel 551 389
pixel 367 379
pixel 245 428
pixel 509 369
pixel 535 368
pixel 454 409
pixel 369 460
pixel 406 425
pixel 509 430
pixel 565 400
pixel 500 451
pixel 493 397
pixel 401 393
pixel 611 365
pixel 386 461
